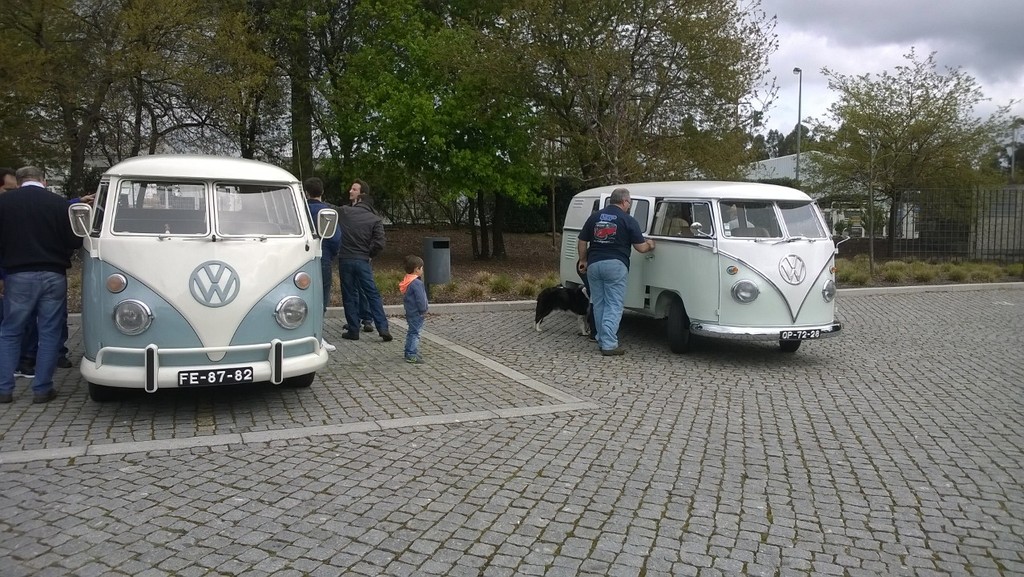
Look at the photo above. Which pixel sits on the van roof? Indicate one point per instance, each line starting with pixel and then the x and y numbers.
pixel 200 166
pixel 705 189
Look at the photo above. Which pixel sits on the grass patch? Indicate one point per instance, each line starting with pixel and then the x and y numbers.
pixel 500 283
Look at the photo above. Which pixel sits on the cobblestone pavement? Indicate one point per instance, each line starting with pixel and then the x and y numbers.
pixel 894 449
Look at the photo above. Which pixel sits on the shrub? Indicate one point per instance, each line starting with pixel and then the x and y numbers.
pixel 984 274
pixel 501 283
pixel 923 272
pixel 859 278
pixel 1014 270
pixel 483 277
pixel 526 288
pixel 956 274
pixel 894 271
pixel 472 291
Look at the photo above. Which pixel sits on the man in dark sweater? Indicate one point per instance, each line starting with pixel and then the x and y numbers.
pixel 36 244
pixel 362 238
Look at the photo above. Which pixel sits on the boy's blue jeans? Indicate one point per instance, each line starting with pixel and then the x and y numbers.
pixel 412 338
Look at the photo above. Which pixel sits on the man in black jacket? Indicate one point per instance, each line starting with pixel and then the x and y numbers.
pixel 36 244
pixel 362 238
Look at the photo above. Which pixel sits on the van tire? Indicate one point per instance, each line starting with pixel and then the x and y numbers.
pixel 678 328
pixel 300 381
pixel 102 394
pixel 789 346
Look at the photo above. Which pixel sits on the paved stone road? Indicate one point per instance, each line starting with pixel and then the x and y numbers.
pixel 895 449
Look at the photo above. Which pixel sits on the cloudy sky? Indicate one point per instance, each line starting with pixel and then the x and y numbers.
pixel 854 37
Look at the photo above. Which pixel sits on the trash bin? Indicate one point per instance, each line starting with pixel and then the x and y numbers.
pixel 437 260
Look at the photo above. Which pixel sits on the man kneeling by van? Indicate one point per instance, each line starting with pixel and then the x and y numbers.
pixel 604 250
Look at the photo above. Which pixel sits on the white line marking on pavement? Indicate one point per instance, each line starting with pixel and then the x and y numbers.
pixel 567 402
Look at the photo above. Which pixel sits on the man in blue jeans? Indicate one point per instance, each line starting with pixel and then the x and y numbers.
pixel 36 243
pixel 604 249
pixel 362 238
pixel 314 189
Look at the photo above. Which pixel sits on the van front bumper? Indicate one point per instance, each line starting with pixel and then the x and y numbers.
pixel 765 333
pixel 152 376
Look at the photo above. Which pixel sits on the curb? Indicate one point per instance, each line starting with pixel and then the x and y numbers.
pixel 500 306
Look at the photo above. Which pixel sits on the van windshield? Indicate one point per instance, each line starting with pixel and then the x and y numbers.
pixel 746 219
pixel 802 219
pixel 256 209
pixel 160 207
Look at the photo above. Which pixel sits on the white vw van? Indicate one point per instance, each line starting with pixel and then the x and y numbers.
pixel 197 271
pixel 734 260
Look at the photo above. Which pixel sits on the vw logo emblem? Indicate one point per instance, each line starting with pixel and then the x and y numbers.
pixel 793 269
pixel 214 284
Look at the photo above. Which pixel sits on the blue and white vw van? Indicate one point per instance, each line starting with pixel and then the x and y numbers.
pixel 733 260
pixel 198 271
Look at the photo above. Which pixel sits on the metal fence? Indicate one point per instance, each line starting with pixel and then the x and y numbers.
pixel 978 225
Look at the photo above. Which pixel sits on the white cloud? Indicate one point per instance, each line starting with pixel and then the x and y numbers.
pixel 855 37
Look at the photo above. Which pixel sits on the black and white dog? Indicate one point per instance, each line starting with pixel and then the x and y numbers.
pixel 560 298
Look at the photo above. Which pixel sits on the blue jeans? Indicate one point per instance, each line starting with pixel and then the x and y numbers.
pixel 356 277
pixel 364 303
pixel 608 294
pixel 38 298
pixel 30 341
pixel 412 338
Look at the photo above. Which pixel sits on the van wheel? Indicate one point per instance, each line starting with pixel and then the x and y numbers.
pixel 678 327
pixel 102 394
pixel 789 346
pixel 300 381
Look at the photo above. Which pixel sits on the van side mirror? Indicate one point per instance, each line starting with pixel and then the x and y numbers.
pixel 327 222
pixel 698 230
pixel 840 238
pixel 80 215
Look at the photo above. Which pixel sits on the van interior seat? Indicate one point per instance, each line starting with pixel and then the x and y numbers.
pixel 160 220
pixel 678 227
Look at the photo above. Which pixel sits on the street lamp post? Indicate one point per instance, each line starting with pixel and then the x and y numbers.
pixel 799 100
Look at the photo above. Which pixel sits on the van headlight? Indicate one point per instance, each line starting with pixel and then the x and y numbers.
pixel 291 312
pixel 745 291
pixel 132 317
pixel 828 292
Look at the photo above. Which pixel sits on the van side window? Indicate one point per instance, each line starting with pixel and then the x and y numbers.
pixel 702 214
pixel 252 209
pixel 161 208
pixel 641 212
pixel 673 219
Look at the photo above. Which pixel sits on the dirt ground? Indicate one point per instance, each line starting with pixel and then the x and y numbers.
pixel 530 256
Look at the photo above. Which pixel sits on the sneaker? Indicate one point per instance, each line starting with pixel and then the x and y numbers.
pixel 45 397
pixel 617 351
pixel 350 336
pixel 327 346
pixel 413 359
pixel 367 327
pixel 64 362
pixel 26 372
pixel 6 398
pixel 386 337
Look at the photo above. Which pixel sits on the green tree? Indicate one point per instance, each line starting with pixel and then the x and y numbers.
pixel 911 130
pixel 60 61
pixel 643 89
pixel 436 107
